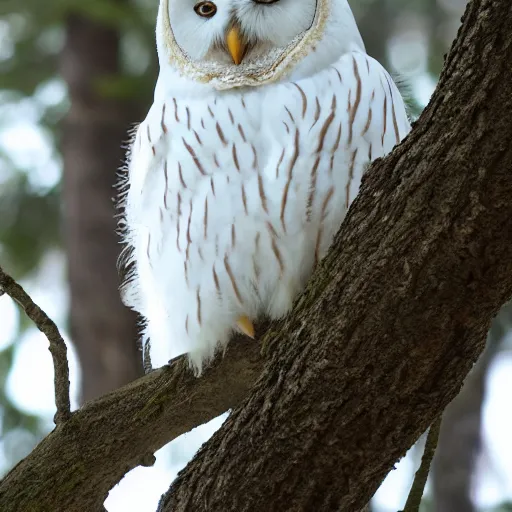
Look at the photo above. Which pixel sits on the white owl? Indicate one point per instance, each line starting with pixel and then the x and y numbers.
pixel 265 115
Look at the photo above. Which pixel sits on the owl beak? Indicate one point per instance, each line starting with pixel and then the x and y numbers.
pixel 236 44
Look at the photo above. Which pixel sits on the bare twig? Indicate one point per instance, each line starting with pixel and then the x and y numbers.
pixel 420 478
pixel 57 346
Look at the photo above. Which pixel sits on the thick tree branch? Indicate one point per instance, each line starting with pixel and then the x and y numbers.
pixel 373 351
pixel 57 346
pixel 76 465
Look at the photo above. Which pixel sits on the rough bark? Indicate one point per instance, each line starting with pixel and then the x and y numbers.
pixel 384 336
pixel 373 351
pixel 103 330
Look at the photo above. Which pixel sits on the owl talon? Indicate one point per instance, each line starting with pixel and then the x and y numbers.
pixel 246 326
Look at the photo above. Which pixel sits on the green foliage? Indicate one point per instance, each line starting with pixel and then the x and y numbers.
pixel 30 224
pixel 504 507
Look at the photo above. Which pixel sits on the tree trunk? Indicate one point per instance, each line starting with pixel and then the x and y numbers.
pixel 103 330
pixel 386 336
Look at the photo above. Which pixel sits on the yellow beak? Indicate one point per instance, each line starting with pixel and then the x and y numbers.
pixel 236 45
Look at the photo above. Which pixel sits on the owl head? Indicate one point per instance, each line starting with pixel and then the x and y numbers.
pixel 233 43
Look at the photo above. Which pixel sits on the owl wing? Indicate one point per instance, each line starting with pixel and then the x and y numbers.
pixel 321 133
pixel 386 122
pixel 377 119
pixel 130 184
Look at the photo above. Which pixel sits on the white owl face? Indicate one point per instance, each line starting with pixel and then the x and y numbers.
pixel 236 31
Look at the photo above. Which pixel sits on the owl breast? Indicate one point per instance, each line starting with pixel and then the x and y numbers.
pixel 236 196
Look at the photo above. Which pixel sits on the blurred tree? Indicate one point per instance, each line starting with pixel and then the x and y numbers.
pixel 103 330
pixel 375 21
pixel 460 443
pixel 107 95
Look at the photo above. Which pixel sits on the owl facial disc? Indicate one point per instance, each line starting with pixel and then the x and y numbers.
pixel 238 43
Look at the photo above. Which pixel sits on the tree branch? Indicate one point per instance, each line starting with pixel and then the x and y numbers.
pixel 57 346
pixel 420 479
pixel 373 351
pixel 75 466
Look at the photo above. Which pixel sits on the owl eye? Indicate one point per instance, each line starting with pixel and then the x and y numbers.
pixel 205 9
